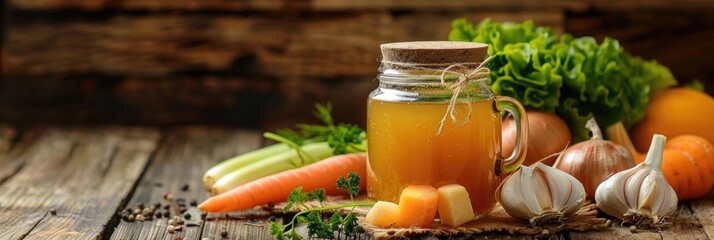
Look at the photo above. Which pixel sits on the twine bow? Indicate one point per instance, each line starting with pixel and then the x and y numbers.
pixel 466 77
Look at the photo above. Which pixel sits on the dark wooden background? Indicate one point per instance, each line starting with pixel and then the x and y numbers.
pixel 263 63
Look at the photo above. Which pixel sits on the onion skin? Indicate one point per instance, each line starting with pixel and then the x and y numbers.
pixel 547 134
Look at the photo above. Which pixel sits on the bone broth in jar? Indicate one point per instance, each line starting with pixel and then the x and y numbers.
pixel 432 120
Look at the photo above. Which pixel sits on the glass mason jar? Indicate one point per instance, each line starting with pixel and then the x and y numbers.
pixel 408 143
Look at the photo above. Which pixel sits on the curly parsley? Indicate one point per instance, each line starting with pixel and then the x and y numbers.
pixel 318 224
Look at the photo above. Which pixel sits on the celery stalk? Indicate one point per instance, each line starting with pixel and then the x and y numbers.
pixel 219 170
pixel 269 166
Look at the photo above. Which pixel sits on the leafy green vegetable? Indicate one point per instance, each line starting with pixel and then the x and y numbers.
pixel 575 77
pixel 317 225
pixel 342 138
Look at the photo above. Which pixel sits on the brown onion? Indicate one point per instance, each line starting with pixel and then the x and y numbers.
pixel 594 160
pixel 547 134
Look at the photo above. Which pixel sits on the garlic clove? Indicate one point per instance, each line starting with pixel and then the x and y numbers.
pixel 658 197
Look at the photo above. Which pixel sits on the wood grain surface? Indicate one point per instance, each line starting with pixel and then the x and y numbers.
pixel 71 180
pixel 184 156
pixel 88 174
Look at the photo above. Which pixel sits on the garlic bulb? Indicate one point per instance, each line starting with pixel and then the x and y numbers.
pixel 639 195
pixel 592 161
pixel 541 194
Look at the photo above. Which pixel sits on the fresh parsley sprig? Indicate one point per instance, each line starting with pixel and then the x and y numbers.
pixel 342 138
pixel 317 224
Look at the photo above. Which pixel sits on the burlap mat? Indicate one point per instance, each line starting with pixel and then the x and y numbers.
pixel 495 221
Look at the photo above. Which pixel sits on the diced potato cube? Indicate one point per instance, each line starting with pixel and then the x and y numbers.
pixel 454 205
pixel 383 214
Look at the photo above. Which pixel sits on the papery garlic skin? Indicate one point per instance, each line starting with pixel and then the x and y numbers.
pixel 639 195
pixel 541 194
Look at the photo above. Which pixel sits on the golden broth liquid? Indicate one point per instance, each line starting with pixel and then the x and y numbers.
pixel 404 149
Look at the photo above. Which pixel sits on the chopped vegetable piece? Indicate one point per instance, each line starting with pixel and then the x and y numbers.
pixel 417 206
pixel 454 205
pixel 383 214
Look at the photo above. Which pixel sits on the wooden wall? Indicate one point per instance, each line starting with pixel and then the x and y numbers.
pixel 263 63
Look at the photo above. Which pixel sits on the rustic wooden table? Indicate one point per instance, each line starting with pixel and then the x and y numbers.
pixel 70 182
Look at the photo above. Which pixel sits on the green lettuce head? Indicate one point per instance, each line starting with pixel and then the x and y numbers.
pixel 577 78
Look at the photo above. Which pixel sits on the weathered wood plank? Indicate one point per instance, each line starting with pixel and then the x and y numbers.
pixel 279 73
pixel 703 210
pixel 278 5
pixel 177 100
pixel 333 5
pixel 7 136
pixel 9 165
pixel 82 174
pixel 182 159
pixel 190 5
pixel 617 231
pixel 696 5
pixel 317 46
pixel 683 226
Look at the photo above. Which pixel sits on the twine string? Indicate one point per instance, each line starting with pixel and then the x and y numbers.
pixel 479 74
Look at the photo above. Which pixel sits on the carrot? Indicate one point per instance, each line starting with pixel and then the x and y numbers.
pixel 277 187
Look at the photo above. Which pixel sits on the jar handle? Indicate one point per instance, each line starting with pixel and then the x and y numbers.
pixel 513 107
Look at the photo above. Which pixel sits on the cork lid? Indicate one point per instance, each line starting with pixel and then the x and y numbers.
pixel 434 52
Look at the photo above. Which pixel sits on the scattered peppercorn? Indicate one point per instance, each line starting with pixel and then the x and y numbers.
pixel 187 216
pixel 184 187
pixel 192 225
pixel 158 214
pixel 168 196
pixel 125 217
pixel 224 234
pixel 157 205
pixel 182 210
pixel 167 206
pixel 141 205
pixel 204 215
pixel 158 184
pixel 193 203
pixel 167 214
